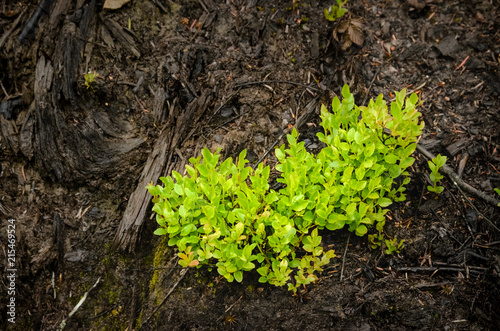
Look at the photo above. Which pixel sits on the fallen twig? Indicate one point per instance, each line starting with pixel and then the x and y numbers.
pixel 12 28
pixel 271 148
pixel 301 120
pixel 370 86
pixel 78 305
pixel 229 308
pixel 182 274
pixel 436 269
pixel 276 81
pixel 458 181
pixel 161 6
pixel 202 4
pixel 343 258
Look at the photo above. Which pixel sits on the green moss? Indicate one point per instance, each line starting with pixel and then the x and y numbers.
pixel 138 321
pixel 160 250
pixel 154 279
pixel 109 296
pixel 157 262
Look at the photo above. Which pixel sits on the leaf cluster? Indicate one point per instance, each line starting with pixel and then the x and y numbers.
pixel 349 31
pixel 336 11
pixel 225 215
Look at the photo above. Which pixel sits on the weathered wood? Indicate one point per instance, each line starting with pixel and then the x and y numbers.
pixel 44 73
pixel 126 40
pixel 159 112
pixel 7 33
pixel 458 146
pixel 172 136
pixel 43 8
pixel 59 240
pixel 139 200
pixel 8 131
pixel 92 146
pixel 59 9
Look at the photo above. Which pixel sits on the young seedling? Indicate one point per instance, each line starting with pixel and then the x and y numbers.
pixel 393 246
pixel 89 79
pixel 435 164
pixel 336 11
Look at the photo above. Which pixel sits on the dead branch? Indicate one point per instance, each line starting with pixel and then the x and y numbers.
pixel 458 181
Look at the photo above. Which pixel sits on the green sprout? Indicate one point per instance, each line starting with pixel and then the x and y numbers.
pixel 435 164
pixel 89 79
pixel 336 11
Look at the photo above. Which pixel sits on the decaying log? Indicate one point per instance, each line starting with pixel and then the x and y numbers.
pixel 171 137
pixel 139 200
pixel 8 131
pixel 28 29
pixel 73 151
pixel 68 139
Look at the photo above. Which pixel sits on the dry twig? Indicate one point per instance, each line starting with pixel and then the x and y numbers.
pixel 458 181
pixel 78 305
pixel 182 274
pixel 276 81
pixel 343 258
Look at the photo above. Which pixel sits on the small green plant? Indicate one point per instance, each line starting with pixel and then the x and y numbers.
pixel 336 11
pixel 225 214
pixel 392 245
pixel 89 79
pixel 435 164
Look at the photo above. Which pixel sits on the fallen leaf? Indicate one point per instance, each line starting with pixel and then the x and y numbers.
pixel 356 34
pixel 114 4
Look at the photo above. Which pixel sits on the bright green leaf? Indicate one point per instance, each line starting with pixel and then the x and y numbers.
pixel 160 232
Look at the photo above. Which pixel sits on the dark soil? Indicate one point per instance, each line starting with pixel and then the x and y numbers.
pixel 71 157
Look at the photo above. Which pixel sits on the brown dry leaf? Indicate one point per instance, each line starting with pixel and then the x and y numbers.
pixel 114 4
pixel 417 4
pixel 340 29
pixel 347 42
pixel 343 27
pixel 357 22
pixel 351 31
pixel 356 35
pixel 334 35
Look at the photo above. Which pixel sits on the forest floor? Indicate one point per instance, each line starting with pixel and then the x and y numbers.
pixel 257 65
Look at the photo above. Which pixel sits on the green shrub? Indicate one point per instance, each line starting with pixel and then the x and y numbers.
pixel 225 215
